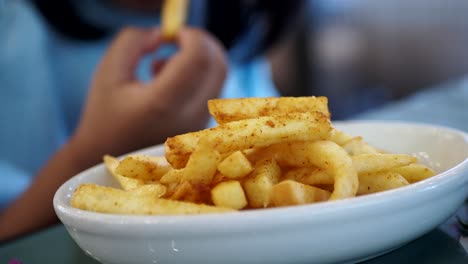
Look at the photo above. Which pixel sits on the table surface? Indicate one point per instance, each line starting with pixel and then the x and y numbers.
pixel 444 105
pixel 54 245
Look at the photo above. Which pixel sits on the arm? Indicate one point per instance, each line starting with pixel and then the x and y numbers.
pixel 122 114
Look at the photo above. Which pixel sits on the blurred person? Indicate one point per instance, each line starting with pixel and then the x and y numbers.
pixel 54 127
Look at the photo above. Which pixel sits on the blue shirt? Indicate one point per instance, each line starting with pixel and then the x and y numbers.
pixel 44 80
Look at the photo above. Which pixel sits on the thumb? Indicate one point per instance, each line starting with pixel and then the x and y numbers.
pixel 121 59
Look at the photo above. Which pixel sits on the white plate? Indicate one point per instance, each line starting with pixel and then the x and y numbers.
pixel 339 231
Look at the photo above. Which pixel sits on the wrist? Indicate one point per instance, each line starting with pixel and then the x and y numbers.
pixel 80 153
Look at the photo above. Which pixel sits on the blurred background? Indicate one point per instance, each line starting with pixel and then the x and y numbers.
pixel 363 53
pixel 360 53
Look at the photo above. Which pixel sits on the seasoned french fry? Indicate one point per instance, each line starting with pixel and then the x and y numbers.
pixel 126 183
pixel 414 172
pixel 265 152
pixel 218 177
pixel 249 133
pixel 154 189
pixel 228 110
pixel 185 191
pixel 143 167
pixel 103 199
pixel 357 146
pixel 380 181
pixel 340 137
pixel 369 163
pixel 174 13
pixel 172 176
pixel 229 194
pixel 258 185
pixel 290 192
pixel 309 175
pixel 201 167
pixel 323 154
pixel 235 166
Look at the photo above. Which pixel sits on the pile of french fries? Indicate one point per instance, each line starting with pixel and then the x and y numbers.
pixel 264 152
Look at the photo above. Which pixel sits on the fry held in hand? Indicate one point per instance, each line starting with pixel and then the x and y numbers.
pixel 264 152
pixel 174 14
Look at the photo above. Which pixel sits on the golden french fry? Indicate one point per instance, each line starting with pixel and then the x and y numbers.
pixel 368 163
pixel 259 183
pixel 414 172
pixel 228 110
pixel 357 146
pixel 340 137
pixel 172 176
pixel 143 167
pixel 229 194
pixel 235 166
pixel 380 181
pixel 103 199
pixel 309 175
pixel 174 13
pixel 185 191
pixel 290 192
pixel 201 167
pixel 218 177
pixel 154 189
pixel 323 154
pixel 126 183
pixel 249 133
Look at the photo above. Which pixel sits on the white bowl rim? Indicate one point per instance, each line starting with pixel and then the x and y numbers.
pixel 255 219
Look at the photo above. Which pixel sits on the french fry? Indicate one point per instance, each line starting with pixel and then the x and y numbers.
pixel 309 175
pixel 103 199
pixel 357 146
pixel 249 133
pixel 369 163
pixel 265 152
pixel 228 110
pixel 126 183
pixel 174 14
pixel 185 191
pixel 235 166
pixel 290 192
pixel 172 176
pixel 201 167
pixel 380 181
pixel 258 185
pixel 414 172
pixel 154 189
pixel 229 194
pixel 143 167
pixel 323 154
pixel 340 137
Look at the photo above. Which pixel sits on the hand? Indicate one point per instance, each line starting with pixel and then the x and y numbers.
pixel 123 114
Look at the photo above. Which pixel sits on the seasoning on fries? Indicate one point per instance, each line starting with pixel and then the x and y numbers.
pixel 264 152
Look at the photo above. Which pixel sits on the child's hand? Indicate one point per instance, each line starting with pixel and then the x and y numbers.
pixel 123 114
